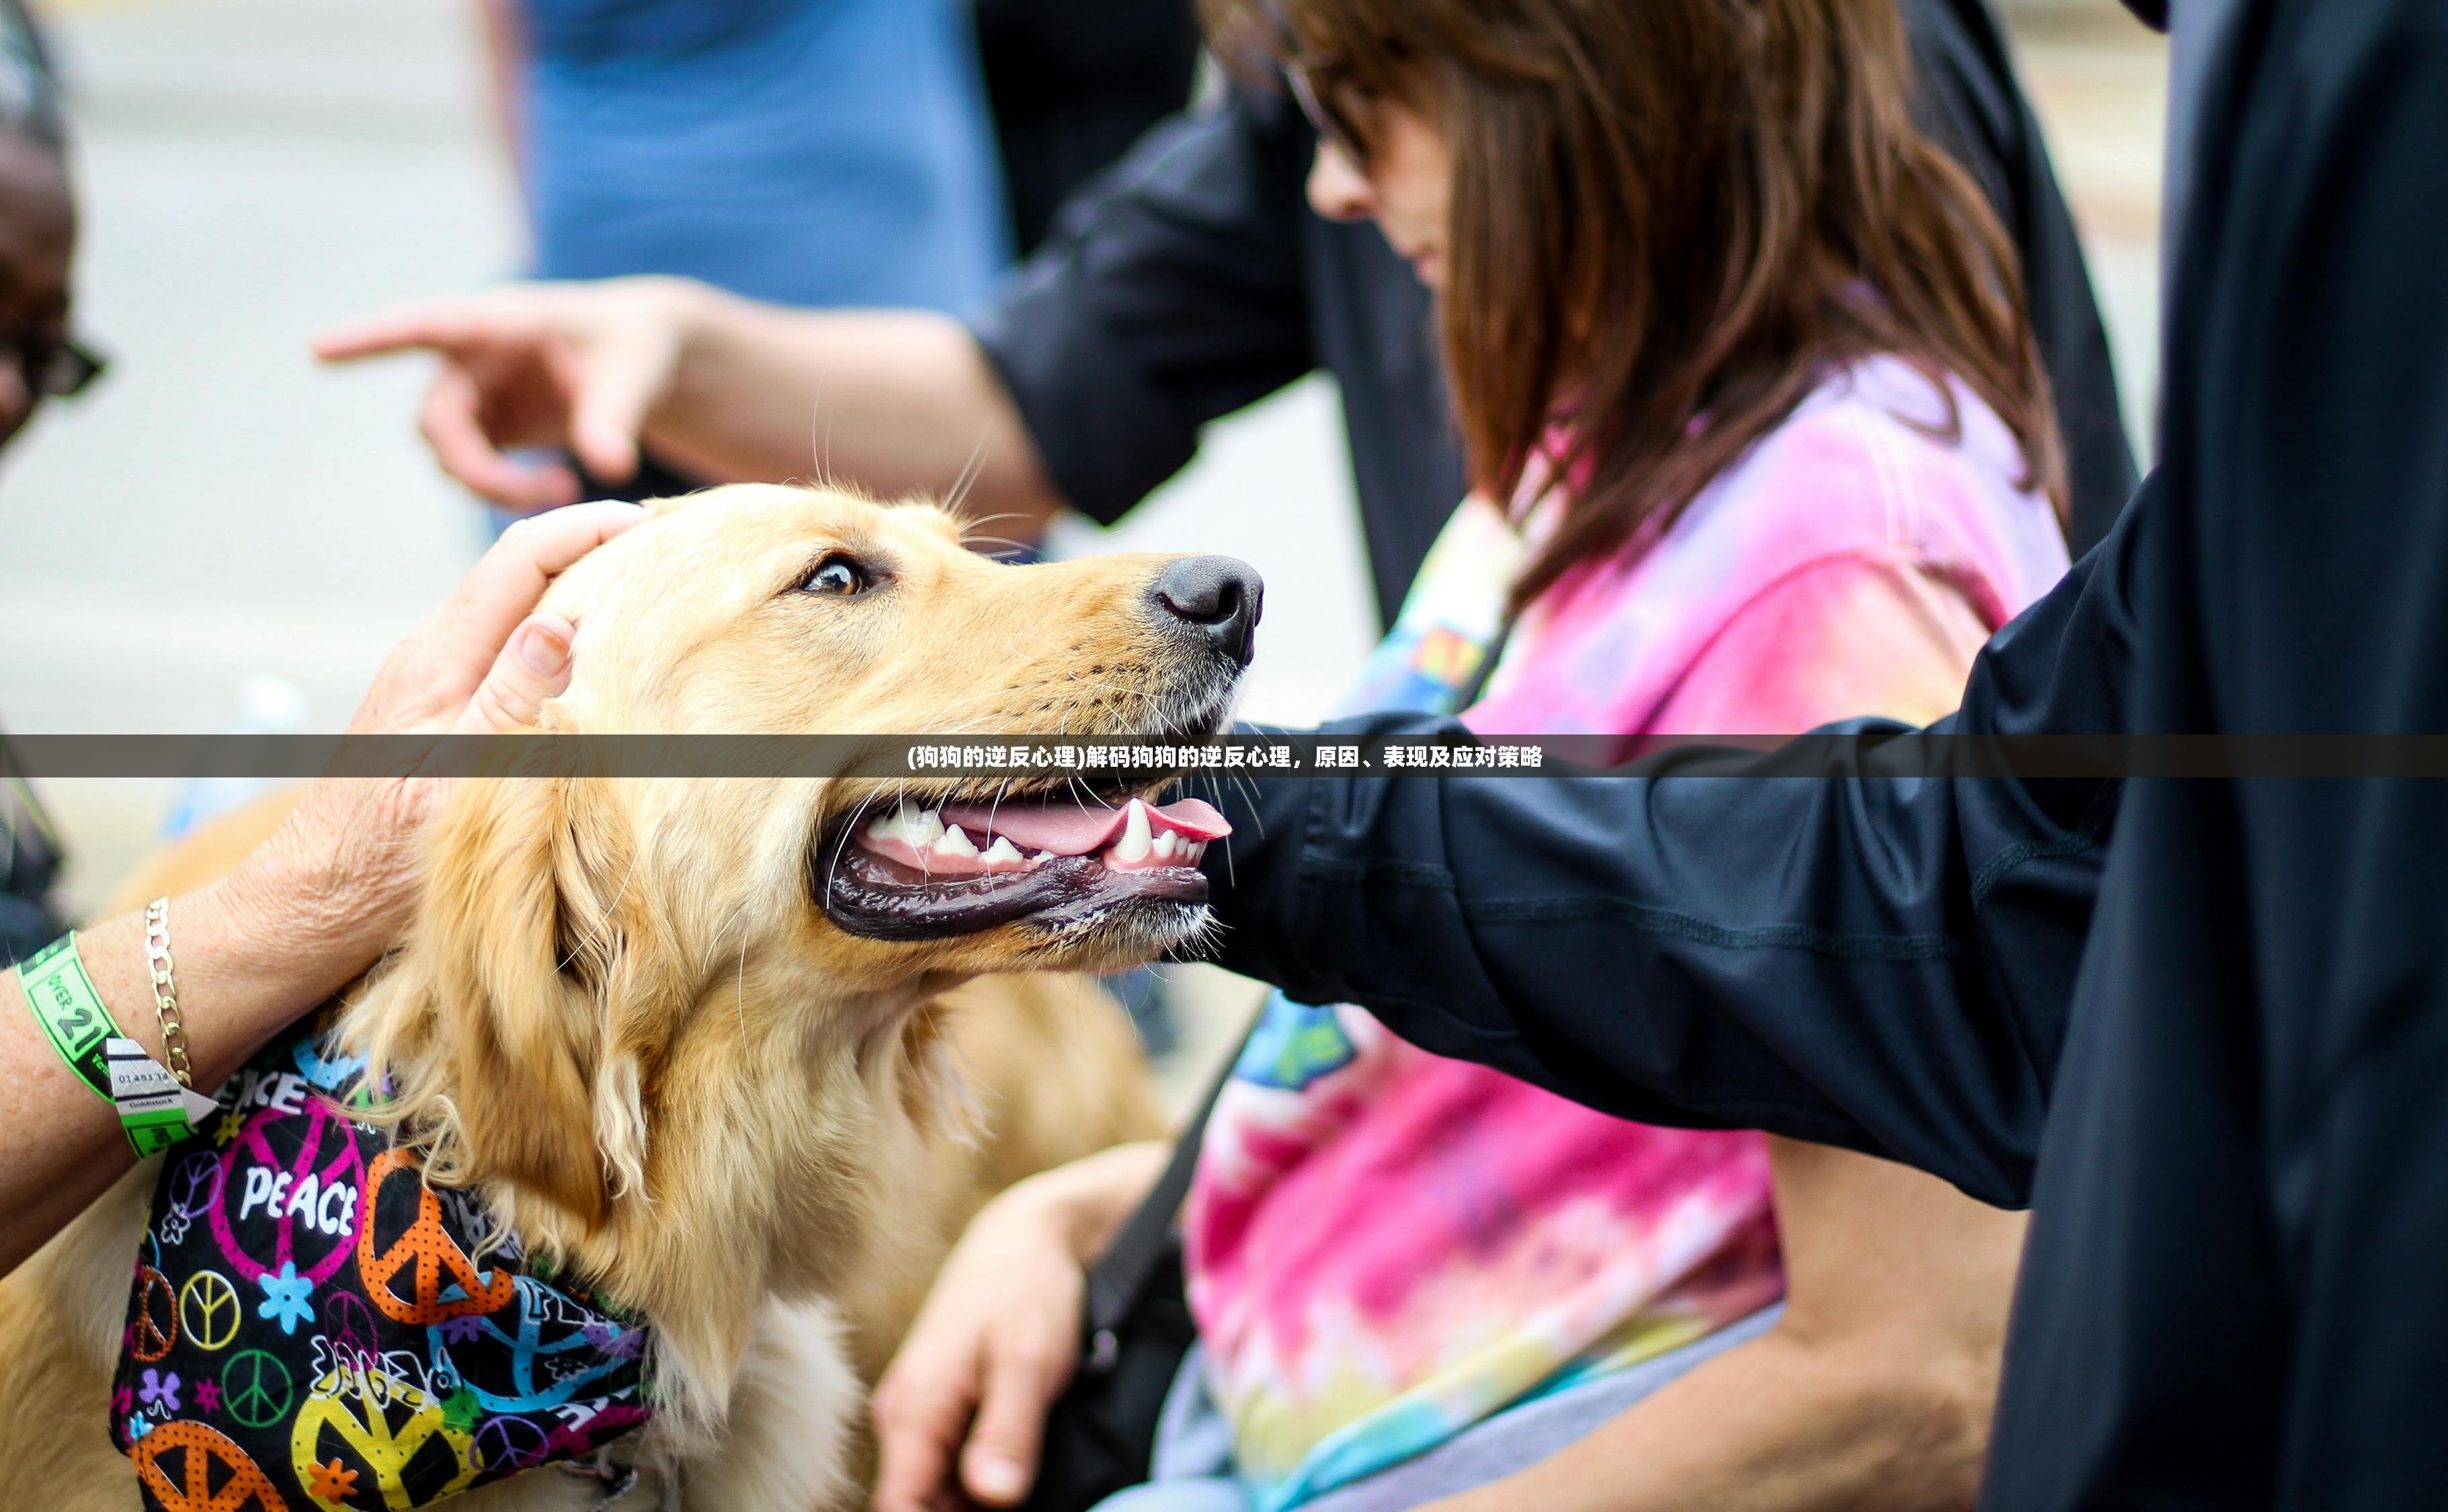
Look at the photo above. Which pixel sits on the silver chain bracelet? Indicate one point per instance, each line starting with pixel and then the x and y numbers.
pixel 165 989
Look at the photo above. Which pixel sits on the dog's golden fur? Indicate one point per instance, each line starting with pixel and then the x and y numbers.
pixel 622 1017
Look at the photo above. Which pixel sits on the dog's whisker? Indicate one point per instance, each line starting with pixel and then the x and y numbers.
pixel 714 945
pixel 833 863
pixel 593 940
pixel 989 519
pixel 970 471
pixel 741 988
pixel 820 427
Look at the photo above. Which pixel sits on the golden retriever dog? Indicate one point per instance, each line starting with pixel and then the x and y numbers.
pixel 707 1042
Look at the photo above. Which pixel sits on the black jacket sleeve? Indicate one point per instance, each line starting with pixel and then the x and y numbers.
pixel 1171 292
pixel 1874 962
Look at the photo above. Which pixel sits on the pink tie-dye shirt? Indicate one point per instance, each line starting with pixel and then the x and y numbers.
pixel 1385 1247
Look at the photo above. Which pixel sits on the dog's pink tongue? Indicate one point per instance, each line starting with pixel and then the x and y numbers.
pixel 1069 829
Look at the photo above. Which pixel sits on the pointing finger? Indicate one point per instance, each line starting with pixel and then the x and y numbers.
pixel 449 423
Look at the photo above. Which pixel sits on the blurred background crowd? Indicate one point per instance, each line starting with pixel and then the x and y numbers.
pixel 220 534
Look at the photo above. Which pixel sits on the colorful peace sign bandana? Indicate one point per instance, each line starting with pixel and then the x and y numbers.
pixel 312 1326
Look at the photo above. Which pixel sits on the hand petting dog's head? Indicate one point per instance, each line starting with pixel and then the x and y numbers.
pixel 619 989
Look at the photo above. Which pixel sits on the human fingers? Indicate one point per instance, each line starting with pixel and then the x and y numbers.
pixel 506 581
pixel 430 679
pixel 442 325
pixel 452 421
pixel 533 666
pixel 618 381
pixel 920 1410
pixel 1027 1362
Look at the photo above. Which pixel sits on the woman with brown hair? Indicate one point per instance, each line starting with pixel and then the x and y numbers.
pixel 1759 439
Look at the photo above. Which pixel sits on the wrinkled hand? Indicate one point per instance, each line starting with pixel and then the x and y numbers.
pixel 342 871
pixel 993 1347
pixel 578 366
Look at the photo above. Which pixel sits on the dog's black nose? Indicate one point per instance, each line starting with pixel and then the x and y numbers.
pixel 1220 595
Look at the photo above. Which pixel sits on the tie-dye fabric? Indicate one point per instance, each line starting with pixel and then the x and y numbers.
pixel 1385 1246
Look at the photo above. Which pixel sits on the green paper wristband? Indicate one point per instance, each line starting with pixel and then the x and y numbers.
pixel 70 1011
pixel 152 1133
pixel 81 1030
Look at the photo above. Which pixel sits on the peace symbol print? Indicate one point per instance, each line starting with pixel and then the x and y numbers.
pixel 351 1327
pixel 256 1389
pixel 278 1163
pixel 424 1249
pixel 417 1458
pixel 507 1444
pixel 190 1192
pixel 550 1352
pixel 209 1311
pixel 154 1323
pixel 200 1452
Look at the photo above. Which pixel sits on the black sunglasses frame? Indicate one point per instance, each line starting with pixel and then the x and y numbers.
pixel 1331 125
pixel 55 366
pixel 1300 72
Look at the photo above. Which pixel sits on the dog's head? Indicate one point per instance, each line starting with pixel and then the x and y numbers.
pixel 761 609
pixel 607 974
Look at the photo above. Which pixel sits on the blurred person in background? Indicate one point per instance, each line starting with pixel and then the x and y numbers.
pixel 808 153
pixel 1190 281
pixel 38 360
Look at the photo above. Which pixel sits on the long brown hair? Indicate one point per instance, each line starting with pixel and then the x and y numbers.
pixel 1670 220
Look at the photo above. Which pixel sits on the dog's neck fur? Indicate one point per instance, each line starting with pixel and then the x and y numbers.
pixel 769 1167
pixel 686 1109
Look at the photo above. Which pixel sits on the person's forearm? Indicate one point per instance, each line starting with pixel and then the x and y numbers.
pixel 894 401
pixel 248 964
pixel 1089 1199
pixel 1776 1424
pixel 1794 955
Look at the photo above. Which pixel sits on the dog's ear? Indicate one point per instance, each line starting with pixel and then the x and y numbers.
pixel 512 1042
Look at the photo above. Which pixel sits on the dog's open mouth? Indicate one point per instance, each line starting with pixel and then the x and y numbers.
pixel 1061 864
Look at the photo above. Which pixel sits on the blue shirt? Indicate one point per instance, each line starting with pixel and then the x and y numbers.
pixel 810 152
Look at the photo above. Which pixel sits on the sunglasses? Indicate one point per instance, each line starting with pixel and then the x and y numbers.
pixel 1317 89
pixel 54 366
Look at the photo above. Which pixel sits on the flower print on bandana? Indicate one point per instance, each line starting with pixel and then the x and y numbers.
pixel 284 1297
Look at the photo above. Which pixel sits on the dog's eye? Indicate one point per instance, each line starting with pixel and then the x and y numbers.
pixel 837 576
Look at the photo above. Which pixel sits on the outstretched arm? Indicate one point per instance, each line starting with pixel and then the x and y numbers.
pixel 1170 295
pixel 1875 963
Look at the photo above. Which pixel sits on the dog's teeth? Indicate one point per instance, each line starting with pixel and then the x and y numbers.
pixel 1164 846
pixel 916 827
pixel 1196 852
pixel 954 841
pixel 1002 852
pixel 1041 858
pixel 1136 842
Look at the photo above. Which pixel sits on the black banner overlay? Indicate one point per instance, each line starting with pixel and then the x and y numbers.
pixel 1897 755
